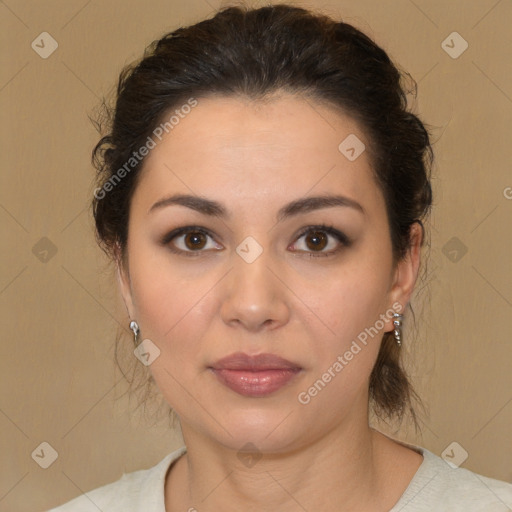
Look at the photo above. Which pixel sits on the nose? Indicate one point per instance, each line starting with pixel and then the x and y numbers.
pixel 254 298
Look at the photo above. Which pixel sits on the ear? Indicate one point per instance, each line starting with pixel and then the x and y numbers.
pixel 123 279
pixel 406 271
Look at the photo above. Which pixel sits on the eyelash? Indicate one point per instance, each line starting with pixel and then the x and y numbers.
pixel 184 231
pixel 330 230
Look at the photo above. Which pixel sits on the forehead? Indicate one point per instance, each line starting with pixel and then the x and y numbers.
pixel 259 150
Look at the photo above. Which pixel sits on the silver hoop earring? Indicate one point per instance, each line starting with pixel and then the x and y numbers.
pixel 134 326
pixel 397 332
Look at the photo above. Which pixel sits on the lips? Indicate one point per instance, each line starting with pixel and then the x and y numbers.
pixel 259 362
pixel 254 376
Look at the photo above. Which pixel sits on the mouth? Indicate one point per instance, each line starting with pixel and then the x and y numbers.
pixel 254 376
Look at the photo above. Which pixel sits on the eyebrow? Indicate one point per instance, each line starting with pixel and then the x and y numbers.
pixel 215 209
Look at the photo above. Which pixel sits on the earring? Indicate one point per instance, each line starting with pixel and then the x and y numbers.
pixel 134 326
pixel 397 322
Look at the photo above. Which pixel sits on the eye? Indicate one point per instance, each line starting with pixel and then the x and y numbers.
pixel 190 239
pixel 324 240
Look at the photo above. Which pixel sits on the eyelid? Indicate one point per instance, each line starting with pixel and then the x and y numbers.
pixel 341 237
pixel 329 229
pixel 184 230
pixel 167 238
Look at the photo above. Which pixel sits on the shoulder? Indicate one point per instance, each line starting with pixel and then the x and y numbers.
pixel 441 487
pixel 141 490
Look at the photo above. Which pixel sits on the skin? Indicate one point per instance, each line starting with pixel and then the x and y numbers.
pixel 253 158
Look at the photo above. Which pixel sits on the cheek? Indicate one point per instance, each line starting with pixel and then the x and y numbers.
pixel 345 337
pixel 173 305
pixel 177 301
pixel 348 298
pixel 178 308
pixel 175 311
pixel 343 356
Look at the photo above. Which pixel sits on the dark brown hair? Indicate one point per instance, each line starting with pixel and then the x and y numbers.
pixel 253 53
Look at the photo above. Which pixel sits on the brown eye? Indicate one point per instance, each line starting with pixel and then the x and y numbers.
pixel 195 240
pixel 191 241
pixel 320 240
pixel 316 240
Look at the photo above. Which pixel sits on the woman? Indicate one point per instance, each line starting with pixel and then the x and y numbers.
pixel 262 192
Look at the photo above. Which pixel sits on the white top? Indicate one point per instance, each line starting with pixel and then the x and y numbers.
pixel 435 487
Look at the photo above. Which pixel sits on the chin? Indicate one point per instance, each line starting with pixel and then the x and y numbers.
pixel 271 429
pixel 248 438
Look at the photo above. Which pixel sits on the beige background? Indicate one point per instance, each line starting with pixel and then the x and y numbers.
pixel 59 317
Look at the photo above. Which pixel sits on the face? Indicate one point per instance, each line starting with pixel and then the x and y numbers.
pixel 252 233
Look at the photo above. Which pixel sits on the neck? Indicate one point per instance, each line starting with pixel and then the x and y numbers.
pixel 341 471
